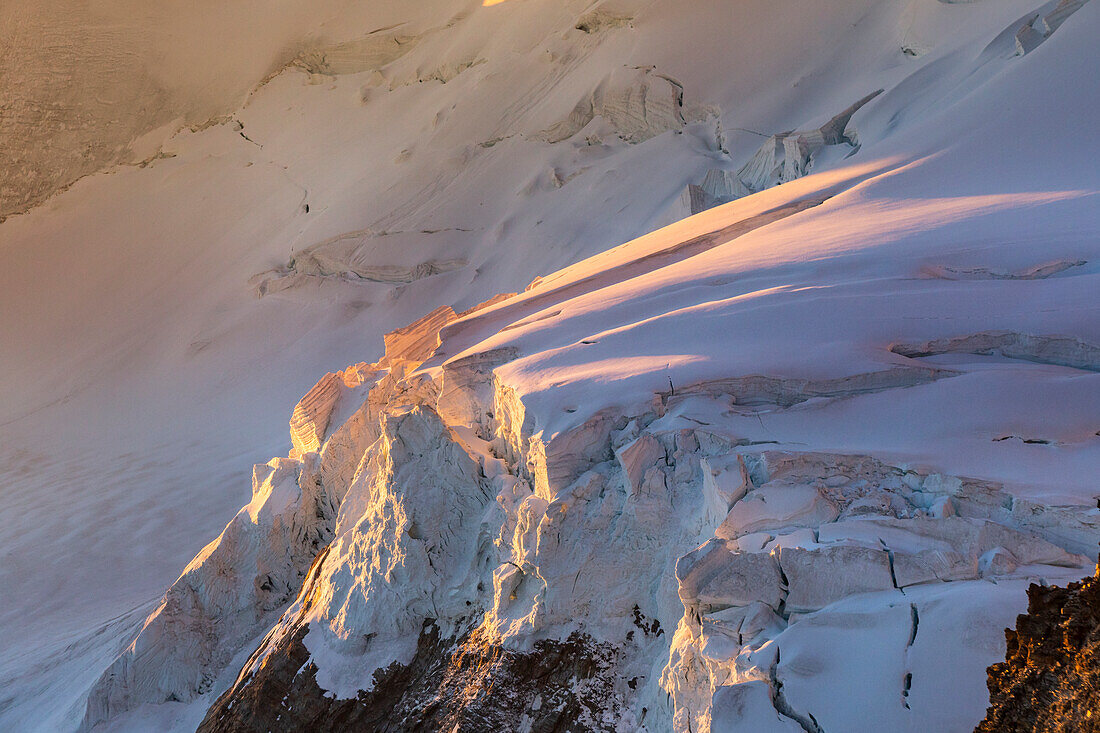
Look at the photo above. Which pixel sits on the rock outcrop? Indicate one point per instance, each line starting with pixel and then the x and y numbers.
pixel 449 684
pixel 1050 679
pixel 812 531
pixel 241 582
pixel 686 484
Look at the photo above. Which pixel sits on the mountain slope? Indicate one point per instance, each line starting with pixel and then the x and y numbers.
pixel 949 261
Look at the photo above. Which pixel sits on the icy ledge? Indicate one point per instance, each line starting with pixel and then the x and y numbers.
pixel 645 569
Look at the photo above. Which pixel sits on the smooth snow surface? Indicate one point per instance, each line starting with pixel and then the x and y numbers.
pixel 927 295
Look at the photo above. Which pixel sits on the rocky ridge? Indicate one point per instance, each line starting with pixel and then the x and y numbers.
pixel 1050 680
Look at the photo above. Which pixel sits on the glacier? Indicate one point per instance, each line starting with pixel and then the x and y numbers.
pixel 785 460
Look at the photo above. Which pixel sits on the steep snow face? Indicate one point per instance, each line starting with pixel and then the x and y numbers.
pixel 939 254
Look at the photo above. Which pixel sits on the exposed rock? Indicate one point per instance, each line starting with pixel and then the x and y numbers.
pixel 237 585
pixel 450 684
pixel 491 564
pixel 401 553
pixel 839 526
pixel 453 521
pixel 1050 679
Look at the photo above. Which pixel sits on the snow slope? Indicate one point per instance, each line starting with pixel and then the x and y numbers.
pixel 929 300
